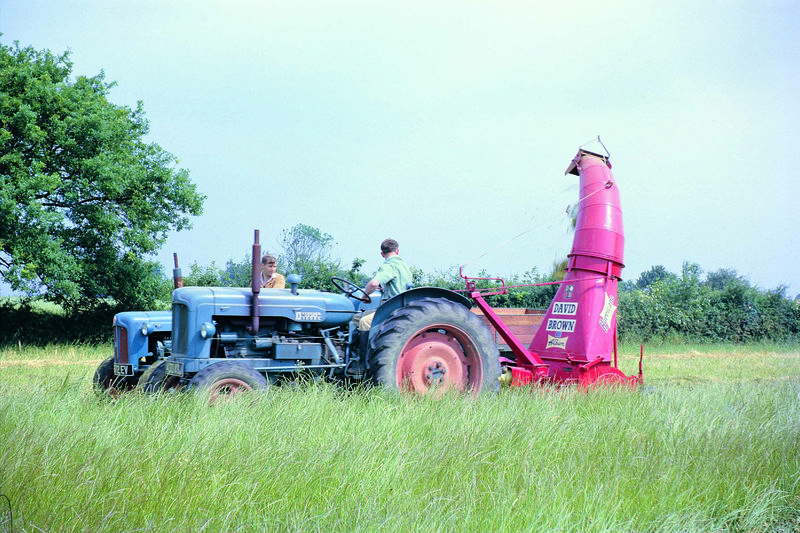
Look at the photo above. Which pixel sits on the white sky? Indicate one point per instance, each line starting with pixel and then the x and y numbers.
pixel 448 125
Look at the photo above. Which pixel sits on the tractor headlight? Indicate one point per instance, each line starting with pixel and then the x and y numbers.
pixel 207 330
pixel 147 329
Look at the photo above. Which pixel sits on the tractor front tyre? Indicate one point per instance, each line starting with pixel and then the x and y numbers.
pixel 155 379
pixel 434 345
pixel 223 380
pixel 106 383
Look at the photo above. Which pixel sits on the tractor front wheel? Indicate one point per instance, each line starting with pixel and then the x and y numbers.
pixel 155 379
pixel 433 345
pixel 226 379
pixel 106 383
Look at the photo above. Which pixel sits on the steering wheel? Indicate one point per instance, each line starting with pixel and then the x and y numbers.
pixel 351 289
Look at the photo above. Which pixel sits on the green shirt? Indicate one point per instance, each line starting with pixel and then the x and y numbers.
pixel 394 276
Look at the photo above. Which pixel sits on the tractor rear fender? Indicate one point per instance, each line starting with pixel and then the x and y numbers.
pixel 411 295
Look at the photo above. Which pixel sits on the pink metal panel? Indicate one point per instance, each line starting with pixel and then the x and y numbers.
pixel 598 230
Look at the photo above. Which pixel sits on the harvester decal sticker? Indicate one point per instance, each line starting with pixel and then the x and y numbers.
pixel 565 308
pixel 560 324
pixel 556 342
pixel 607 314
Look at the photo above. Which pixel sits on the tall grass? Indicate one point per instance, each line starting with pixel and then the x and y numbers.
pixel 700 448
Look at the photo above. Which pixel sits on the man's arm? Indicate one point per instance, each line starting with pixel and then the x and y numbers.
pixel 372 286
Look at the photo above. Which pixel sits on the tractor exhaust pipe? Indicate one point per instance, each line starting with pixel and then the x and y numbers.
pixel 255 283
pixel 177 277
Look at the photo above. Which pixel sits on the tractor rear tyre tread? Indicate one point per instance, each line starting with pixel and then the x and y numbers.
pixel 436 334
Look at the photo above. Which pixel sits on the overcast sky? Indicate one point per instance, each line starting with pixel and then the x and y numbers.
pixel 448 125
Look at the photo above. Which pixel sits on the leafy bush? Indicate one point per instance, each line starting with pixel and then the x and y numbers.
pixel 35 322
pixel 659 306
pixel 724 307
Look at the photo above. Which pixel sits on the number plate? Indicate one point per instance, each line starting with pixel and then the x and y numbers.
pixel 123 370
pixel 175 368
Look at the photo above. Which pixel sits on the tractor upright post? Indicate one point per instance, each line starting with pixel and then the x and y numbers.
pixel 177 277
pixel 255 284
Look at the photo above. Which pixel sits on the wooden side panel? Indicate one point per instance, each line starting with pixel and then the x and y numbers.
pixel 523 323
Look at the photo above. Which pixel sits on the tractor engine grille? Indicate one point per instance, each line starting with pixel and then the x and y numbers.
pixel 180 320
pixel 120 345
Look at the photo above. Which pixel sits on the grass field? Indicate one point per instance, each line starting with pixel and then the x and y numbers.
pixel 711 443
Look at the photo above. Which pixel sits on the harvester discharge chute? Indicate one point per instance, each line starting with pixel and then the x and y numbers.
pixel 577 340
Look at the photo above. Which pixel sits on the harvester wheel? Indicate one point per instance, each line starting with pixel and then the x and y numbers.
pixel 155 379
pixel 434 344
pixel 605 376
pixel 226 379
pixel 108 384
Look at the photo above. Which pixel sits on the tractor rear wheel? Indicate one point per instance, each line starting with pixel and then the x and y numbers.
pixel 106 383
pixel 226 379
pixel 155 379
pixel 433 345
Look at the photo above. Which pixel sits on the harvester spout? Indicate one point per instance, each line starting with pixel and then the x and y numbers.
pixel 580 326
pixel 599 238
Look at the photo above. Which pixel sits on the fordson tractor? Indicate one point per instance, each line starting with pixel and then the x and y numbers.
pixel 141 339
pixel 427 339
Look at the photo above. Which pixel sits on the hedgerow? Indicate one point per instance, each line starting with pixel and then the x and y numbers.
pixel 660 305
pixel 686 307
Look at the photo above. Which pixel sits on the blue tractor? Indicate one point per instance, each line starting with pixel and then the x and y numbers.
pixel 226 340
pixel 142 340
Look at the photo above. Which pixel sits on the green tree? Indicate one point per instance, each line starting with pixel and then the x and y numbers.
pixel 302 243
pixel 722 278
pixel 306 251
pixel 656 273
pixel 238 273
pixel 83 198
pixel 355 274
pixel 203 276
pixel 723 308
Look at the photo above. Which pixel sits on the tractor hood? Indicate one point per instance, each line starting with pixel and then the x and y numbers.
pixel 307 306
pixel 134 320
